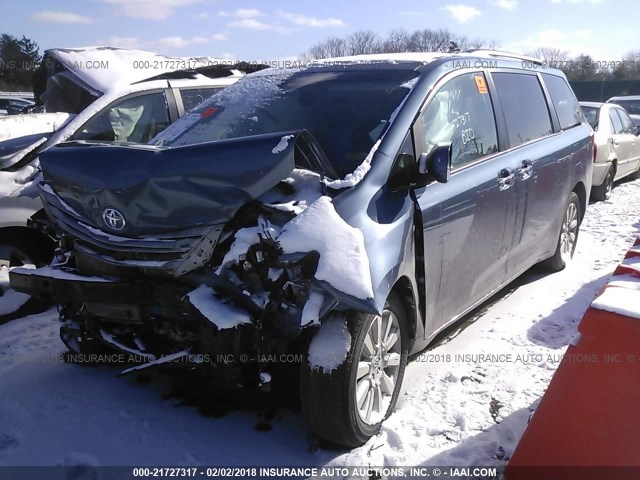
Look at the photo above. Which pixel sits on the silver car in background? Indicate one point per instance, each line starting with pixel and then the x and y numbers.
pixel 617 143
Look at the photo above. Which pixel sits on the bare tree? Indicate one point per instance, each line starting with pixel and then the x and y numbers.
pixel 331 47
pixel 478 43
pixel 554 57
pixel 398 40
pixel 431 40
pixel 363 42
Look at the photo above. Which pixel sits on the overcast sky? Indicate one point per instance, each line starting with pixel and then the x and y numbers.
pixel 282 29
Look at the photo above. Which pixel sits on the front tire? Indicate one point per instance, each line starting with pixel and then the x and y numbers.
pixel 568 237
pixel 346 406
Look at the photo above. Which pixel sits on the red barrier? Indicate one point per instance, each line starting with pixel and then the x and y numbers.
pixel 587 426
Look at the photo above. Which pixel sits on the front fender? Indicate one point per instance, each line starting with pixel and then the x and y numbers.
pixel 386 219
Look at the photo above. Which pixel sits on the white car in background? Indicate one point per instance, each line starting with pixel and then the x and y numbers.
pixel 97 93
pixel 617 146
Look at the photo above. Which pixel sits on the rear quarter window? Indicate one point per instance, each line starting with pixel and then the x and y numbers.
pixel 524 107
pixel 192 97
pixel 564 100
pixel 616 123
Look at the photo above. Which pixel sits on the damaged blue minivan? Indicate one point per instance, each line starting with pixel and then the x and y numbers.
pixel 345 212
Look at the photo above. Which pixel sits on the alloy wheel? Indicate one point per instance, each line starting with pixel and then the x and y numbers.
pixel 569 233
pixel 378 368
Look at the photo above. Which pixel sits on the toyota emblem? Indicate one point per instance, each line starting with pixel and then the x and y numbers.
pixel 113 219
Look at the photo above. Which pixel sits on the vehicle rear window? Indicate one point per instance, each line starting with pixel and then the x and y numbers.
pixel 591 114
pixel 566 104
pixel 192 97
pixel 524 107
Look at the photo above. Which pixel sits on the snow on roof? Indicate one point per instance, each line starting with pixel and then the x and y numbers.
pixel 422 57
pixel 110 68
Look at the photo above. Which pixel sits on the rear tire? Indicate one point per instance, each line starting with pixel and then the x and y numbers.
pixel 346 406
pixel 568 237
pixel 603 192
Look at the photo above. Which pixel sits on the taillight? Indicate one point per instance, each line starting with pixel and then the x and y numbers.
pixel 595 149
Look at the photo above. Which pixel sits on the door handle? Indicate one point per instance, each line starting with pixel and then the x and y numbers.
pixel 506 178
pixel 526 170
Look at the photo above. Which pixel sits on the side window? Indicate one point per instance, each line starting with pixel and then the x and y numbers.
pixel 567 106
pixel 136 119
pixel 461 113
pixel 627 124
pixel 616 124
pixel 524 107
pixel 192 97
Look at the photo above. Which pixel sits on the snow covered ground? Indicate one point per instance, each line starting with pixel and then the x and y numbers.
pixel 458 405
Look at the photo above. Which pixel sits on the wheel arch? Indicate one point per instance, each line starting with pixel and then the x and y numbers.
pixel 25 235
pixel 404 291
pixel 580 190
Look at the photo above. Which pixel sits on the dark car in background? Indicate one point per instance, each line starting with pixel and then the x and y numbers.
pixel 348 211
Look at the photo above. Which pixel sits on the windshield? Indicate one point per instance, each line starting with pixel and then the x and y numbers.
pixel 631 106
pixel 346 111
pixel 591 114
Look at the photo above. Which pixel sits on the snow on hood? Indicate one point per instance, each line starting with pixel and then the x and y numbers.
pixel 343 263
pixel 116 68
pixel 13 126
pixel 306 189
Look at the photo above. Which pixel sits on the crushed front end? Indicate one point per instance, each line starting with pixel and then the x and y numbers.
pixel 203 261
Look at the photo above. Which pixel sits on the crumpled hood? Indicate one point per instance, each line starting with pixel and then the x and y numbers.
pixel 160 189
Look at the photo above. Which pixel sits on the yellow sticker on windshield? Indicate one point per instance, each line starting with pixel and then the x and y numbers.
pixel 480 83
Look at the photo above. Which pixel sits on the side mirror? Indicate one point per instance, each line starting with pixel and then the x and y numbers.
pixel 435 165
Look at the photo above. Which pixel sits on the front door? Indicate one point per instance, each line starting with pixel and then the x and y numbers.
pixel 465 221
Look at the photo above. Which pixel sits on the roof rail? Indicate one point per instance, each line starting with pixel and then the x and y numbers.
pixel 503 54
